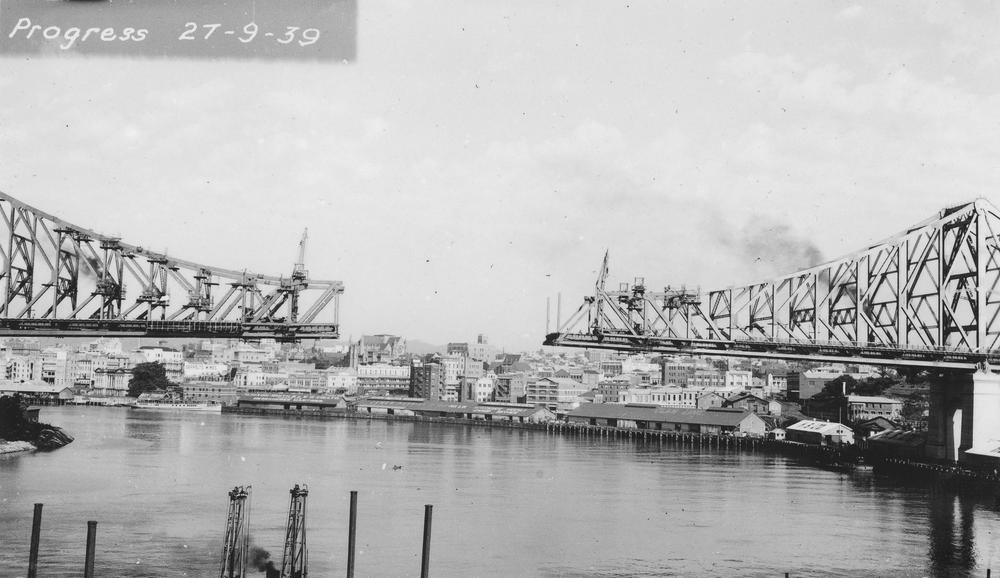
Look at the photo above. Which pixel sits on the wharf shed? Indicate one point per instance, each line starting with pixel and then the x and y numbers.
pixel 897 443
pixel 405 406
pixel 38 391
pixel 713 421
pixel 822 433
pixel 289 401
pixel 514 412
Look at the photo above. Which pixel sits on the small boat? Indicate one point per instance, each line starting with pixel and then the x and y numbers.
pixel 212 406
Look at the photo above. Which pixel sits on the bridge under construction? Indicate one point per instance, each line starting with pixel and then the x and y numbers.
pixel 927 297
pixel 60 279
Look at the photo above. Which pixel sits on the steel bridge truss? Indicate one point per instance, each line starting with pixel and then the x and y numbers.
pixel 929 296
pixel 61 279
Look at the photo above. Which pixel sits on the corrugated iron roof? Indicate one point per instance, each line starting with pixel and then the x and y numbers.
pixel 812 425
pixel 714 416
pixel 32 387
pixel 871 399
pixel 898 437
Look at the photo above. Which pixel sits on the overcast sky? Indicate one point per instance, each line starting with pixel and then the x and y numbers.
pixel 478 157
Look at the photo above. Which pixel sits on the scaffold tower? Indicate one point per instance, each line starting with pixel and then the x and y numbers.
pixel 235 547
pixel 293 559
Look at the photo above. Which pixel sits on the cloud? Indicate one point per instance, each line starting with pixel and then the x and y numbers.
pixel 851 12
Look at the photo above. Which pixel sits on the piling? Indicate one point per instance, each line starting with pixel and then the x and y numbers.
pixel 88 567
pixel 36 530
pixel 352 529
pixel 425 556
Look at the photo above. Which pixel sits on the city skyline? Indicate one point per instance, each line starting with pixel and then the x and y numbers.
pixel 473 162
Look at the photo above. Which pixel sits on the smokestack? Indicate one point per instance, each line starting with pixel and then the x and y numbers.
pixel 548 314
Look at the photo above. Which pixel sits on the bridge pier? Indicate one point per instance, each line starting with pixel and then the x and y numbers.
pixel 964 413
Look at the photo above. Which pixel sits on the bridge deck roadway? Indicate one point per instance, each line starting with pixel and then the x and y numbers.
pixel 144 328
pixel 841 353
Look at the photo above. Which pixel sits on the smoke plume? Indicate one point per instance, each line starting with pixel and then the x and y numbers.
pixel 770 248
pixel 260 560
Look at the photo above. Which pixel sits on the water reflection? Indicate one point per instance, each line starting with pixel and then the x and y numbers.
pixel 506 502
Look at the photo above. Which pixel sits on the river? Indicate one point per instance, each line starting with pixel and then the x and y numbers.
pixel 506 503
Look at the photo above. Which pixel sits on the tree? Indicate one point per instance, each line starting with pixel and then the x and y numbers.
pixel 835 387
pixel 14 426
pixel 149 376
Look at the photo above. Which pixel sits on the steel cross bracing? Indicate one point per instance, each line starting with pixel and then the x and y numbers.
pixel 294 559
pixel 236 544
pixel 62 279
pixel 929 296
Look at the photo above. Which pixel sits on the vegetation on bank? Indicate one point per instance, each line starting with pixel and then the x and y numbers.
pixel 16 427
pixel 14 424
pixel 147 377
pixel 831 403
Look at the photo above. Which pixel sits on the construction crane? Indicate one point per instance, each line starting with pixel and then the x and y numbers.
pixel 293 559
pixel 300 275
pixel 236 546
pixel 300 264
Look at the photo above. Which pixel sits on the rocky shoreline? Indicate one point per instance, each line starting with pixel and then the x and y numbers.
pixel 7 447
pixel 50 438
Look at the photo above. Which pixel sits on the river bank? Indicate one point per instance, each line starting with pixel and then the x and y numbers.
pixel 8 447
pixel 567 504
pixel 21 430
pixel 845 458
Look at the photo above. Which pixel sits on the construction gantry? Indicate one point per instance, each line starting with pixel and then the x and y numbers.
pixel 236 544
pixel 294 561
pixel 928 296
pixel 64 280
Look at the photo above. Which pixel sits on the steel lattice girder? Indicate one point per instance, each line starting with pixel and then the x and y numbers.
pixel 927 296
pixel 62 279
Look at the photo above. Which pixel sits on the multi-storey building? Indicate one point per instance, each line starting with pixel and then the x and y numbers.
pixel 342 380
pixel 205 371
pixel 382 378
pixel 83 367
pixel 252 377
pixel 111 382
pixel 481 350
pixel 611 367
pixel 511 387
pixel 310 381
pixel 862 407
pixel 171 359
pixel 55 366
pixel 478 390
pixel 454 369
pixel 555 393
pixel 707 378
pixel 613 390
pixel 24 368
pixel 377 349
pixel 23 346
pixel 427 381
pixel 738 380
pixel 458 349
pixel 674 373
pixel 775 385
pixel 664 396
